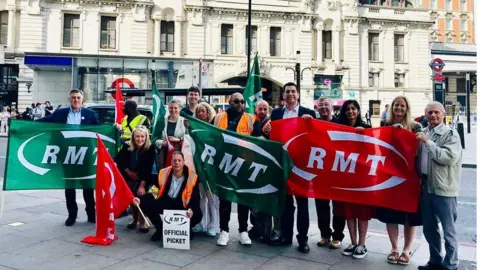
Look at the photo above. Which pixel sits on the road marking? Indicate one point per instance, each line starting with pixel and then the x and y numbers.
pixel 467 203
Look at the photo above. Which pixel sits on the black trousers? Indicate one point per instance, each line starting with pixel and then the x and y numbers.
pixel 154 208
pixel 324 214
pixel 225 212
pixel 88 196
pixel 303 219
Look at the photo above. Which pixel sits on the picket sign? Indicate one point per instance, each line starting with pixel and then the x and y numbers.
pixel 176 229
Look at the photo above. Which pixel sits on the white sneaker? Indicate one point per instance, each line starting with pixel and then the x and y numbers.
pixel 244 239
pixel 223 239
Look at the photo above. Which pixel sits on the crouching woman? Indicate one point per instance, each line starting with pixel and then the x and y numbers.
pixel 177 189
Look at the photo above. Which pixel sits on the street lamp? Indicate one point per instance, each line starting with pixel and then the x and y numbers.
pixel 28 86
pixel 298 73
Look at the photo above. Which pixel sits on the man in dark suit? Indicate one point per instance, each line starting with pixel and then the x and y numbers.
pixel 292 109
pixel 76 115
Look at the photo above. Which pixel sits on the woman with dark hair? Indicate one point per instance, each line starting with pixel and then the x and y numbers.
pixel 350 115
pixel 176 189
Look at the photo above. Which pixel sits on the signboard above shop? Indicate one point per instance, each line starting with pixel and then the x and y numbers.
pixel 329 86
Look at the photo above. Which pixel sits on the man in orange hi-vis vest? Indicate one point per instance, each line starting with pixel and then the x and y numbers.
pixel 234 119
pixel 176 189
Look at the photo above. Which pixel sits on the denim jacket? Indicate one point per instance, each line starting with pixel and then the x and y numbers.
pixel 444 161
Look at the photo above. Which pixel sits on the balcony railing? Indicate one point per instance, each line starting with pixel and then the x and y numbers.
pixel 387 3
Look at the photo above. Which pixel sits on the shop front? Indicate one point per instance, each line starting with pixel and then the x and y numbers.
pixel 56 74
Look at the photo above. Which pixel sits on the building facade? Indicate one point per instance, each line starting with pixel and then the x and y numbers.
pixel 454 20
pixel 346 49
pixel 376 51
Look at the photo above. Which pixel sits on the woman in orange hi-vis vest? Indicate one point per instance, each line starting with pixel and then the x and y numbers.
pixel 177 189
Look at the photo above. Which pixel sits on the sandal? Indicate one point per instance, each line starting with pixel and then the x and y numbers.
pixel 393 257
pixel 404 259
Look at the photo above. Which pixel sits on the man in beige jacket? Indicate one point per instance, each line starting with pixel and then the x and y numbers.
pixel 440 162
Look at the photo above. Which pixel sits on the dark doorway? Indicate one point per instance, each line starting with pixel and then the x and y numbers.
pixel 9 85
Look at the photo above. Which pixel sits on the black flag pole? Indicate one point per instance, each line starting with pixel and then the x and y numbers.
pixel 249 40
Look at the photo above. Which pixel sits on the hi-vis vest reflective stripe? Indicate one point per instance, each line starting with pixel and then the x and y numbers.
pixel 245 125
pixel 187 192
pixel 138 120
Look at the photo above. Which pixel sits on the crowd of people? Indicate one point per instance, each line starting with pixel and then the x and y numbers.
pixel 35 112
pixel 177 186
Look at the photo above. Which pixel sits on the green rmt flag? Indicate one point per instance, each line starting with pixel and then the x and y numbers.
pixel 158 113
pixel 238 168
pixel 253 90
pixel 54 156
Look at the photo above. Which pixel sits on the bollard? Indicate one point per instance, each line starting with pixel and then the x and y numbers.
pixel 461 132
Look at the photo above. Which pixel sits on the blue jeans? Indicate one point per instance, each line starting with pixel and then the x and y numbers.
pixel 444 210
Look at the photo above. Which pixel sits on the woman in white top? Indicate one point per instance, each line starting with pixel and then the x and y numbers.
pixel 173 134
pixel 209 202
pixel 4 120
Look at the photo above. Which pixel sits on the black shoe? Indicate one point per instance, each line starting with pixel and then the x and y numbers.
pixel 70 221
pixel 360 252
pixel 253 233
pixel 157 236
pixel 431 266
pixel 304 248
pixel 281 242
pixel 91 219
pixel 143 230
pixel 132 225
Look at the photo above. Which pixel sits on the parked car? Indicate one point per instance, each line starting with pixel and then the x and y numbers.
pixel 106 112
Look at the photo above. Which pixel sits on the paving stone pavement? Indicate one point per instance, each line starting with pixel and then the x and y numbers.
pixel 32 236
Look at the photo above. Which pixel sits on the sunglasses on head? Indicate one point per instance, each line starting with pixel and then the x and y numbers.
pixel 236 101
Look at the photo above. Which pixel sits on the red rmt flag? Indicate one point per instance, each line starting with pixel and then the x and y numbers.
pixel 372 166
pixel 119 115
pixel 113 197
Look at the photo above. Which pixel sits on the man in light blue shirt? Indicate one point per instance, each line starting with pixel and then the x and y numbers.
pixel 76 115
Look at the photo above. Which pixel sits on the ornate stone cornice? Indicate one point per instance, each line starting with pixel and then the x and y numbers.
pixel 241 14
pixel 396 23
pixel 117 3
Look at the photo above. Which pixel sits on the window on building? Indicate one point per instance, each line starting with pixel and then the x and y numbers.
pixel 433 4
pixel 374 107
pixel 398 48
pixel 373 46
pixel 108 32
pixel 167 32
pixel 275 41
pixel 3 26
pixel 373 79
pixel 227 39
pixel 463 5
pixel 448 4
pixel 71 30
pixel 448 22
pixel 254 39
pixel 327 44
pixel 461 85
pixel 463 26
pixel 399 80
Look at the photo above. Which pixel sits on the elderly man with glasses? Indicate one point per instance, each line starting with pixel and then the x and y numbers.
pixel 439 164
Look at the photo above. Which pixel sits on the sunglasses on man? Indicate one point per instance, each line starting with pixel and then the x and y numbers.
pixel 236 101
